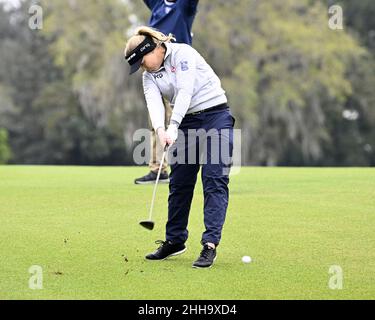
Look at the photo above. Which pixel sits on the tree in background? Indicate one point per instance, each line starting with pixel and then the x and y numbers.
pixel 359 17
pixel 287 76
pixel 355 133
pixel 5 153
pixel 25 69
pixel 302 93
pixel 89 37
pixel 39 107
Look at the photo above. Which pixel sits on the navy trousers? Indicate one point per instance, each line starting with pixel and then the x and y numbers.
pixel 191 152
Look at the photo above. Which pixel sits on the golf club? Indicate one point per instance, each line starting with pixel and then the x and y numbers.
pixel 149 224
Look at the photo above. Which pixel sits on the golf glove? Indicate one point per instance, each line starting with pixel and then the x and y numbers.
pixel 172 133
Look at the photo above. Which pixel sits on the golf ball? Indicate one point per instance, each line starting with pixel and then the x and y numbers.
pixel 246 259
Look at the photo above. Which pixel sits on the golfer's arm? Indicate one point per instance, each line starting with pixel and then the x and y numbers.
pixel 181 106
pixel 154 102
pixel 185 75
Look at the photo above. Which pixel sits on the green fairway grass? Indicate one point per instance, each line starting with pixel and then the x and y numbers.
pixel 80 224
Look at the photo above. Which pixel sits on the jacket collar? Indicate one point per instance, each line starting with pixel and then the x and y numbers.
pixel 168 51
pixel 167 54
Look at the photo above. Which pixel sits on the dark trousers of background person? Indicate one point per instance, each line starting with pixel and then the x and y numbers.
pixel 215 174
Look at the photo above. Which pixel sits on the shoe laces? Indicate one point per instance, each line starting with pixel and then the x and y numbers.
pixel 152 174
pixel 161 243
pixel 206 252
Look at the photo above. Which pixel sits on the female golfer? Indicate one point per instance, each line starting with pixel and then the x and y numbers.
pixel 202 127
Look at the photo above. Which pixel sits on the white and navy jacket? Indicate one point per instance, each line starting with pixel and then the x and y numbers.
pixel 186 81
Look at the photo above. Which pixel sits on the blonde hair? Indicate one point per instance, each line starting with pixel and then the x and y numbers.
pixel 141 33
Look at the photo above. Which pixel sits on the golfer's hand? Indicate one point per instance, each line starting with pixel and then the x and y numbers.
pixel 163 137
pixel 172 133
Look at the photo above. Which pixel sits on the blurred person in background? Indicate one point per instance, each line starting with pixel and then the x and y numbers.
pixel 175 17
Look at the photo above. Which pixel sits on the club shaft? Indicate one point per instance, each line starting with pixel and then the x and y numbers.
pixel 156 184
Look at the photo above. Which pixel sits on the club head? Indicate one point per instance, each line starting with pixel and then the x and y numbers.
pixel 147 224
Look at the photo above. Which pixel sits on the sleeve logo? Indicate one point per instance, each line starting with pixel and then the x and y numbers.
pixel 184 65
